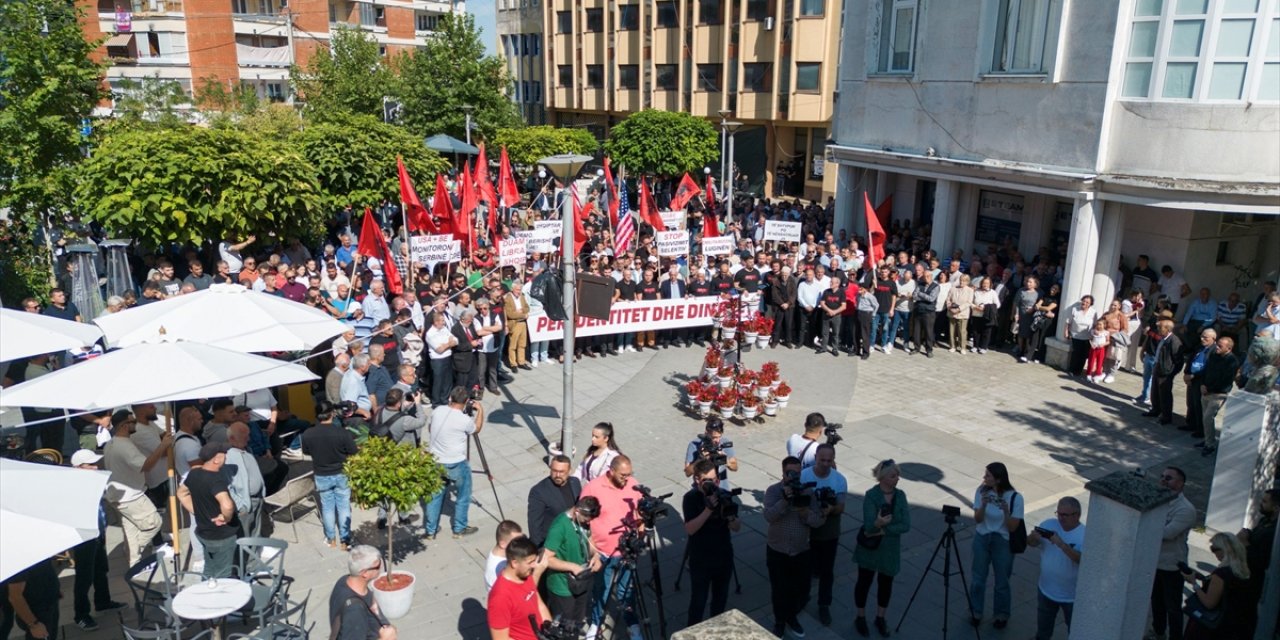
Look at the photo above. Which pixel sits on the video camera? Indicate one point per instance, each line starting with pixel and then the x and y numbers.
pixel 950 513
pixel 650 507
pixel 557 629
pixel 708 448
pixel 476 394
pixel 833 438
pixel 726 507
pixel 801 492
pixel 826 497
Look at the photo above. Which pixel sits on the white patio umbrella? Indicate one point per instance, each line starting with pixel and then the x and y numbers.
pixel 161 371
pixel 224 315
pixel 45 510
pixel 24 334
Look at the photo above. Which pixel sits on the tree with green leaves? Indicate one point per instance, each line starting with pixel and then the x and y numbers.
pixel 387 474
pixel 48 84
pixel 452 70
pixel 663 142
pixel 355 159
pixel 149 103
pixel 351 78
pixel 194 184
pixel 527 145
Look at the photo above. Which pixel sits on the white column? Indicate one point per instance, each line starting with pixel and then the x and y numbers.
pixel 1125 524
pixel 966 220
pixel 848 198
pixel 1246 450
pixel 1082 249
pixel 1105 287
pixel 945 196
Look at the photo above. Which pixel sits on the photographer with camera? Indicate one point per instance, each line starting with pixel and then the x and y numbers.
pixel 617 494
pixel 515 608
pixel 789 511
pixel 1061 540
pixel 710 514
pixel 711 445
pixel 804 446
pixel 830 487
pixel 451 425
pixel 573 560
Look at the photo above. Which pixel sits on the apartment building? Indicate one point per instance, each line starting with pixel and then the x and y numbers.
pixel 251 43
pixel 520 46
pixel 769 64
pixel 1113 129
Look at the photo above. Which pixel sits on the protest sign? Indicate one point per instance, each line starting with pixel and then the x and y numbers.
pixel 632 316
pixel 783 231
pixel 418 249
pixel 718 246
pixel 673 219
pixel 672 243
pixel 511 252
pixel 544 234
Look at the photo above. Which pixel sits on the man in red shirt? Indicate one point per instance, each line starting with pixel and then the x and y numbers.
pixel 616 491
pixel 514 598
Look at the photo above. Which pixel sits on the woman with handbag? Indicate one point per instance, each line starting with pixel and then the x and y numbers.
pixel 986 306
pixel 997 510
pixel 1210 611
pixel 885 518
pixel 573 561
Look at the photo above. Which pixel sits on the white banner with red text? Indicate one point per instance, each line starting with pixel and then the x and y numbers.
pixel 630 317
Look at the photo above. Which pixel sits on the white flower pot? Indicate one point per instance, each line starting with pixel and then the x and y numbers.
pixel 728 333
pixel 763 341
pixel 771 408
pixel 726 413
pixel 395 604
pixel 782 401
pixel 704 407
pixel 725 382
pixel 751 336
pixel 710 372
pixel 762 392
pixel 750 412
pixel 774 385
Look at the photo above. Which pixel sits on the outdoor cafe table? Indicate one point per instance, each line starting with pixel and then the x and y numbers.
pixel 212 600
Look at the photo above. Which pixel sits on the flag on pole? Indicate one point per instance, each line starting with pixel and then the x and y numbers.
pixel 685 192
pixel 507 182
pixel 480 178
pixel 626 228
pixel 579 232
pixel 466 213
pixel 613 194
pixel 884 212
pixel 374 245
pixel 649 208
pixel 875 232
pixel 415 214
pixel 442 207
pixel 711 194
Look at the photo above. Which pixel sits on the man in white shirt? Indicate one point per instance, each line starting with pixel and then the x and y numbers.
pixel 488 325
pixel 450 429
pixel 229 250
pixel 147 434
pixel 1166 593
pixel 353 388
pixel 246 484
pixel 804 446
pixel 1061 540
pixel 127 486
pixel 375 304
pixel 497 559
pixel 440 344
pixel 807 294
pixel 186 445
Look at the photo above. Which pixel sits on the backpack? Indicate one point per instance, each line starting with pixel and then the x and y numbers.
pixel 381 428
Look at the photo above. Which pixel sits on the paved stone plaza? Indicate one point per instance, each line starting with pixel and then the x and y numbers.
pixel 943 419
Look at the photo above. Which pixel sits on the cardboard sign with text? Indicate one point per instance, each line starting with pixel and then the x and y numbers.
pixel 718 246
pixel 511 252
pixel 630 317
pixel 782 231
pixel 673 219
pixel 672 243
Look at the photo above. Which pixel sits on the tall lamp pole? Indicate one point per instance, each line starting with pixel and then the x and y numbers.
pixel 467 109
pixel 724 141
pixel 731 127
pixel 567 166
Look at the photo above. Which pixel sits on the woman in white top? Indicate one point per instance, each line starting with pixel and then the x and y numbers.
pixel 997 510
pixel 986 304
pixel 601 453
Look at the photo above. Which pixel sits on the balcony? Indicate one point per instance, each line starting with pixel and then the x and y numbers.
pixel 139 7
pixel 250 56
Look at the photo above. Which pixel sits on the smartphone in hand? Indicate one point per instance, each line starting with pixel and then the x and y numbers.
pixel 1044 533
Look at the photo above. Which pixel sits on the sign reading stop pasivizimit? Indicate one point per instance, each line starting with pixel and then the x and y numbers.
pixel 782 231
pixel 630 317
pixel 672 243
pixel 511 252
pixel 718 246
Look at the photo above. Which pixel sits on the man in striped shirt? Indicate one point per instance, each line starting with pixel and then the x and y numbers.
pixel 1232 316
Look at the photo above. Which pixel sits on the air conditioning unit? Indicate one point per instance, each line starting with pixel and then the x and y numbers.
pixel 768 23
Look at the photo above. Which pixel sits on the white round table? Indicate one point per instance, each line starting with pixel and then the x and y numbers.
pixel 212 600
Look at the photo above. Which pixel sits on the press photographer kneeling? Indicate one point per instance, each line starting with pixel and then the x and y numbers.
pixel 711 445
pixel 710 514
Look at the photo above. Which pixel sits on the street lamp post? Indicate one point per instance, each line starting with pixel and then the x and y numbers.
pixel 566 166
pixel 731 127
pixel 467 109
pixel 724 141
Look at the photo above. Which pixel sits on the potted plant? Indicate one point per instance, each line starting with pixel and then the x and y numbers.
pixel 770 406
pixel 750 329
pixel 725 376
pixel 764 326
pixel 385 473
pixel 729 327
pixel 750 406
pixel 783 394
pixel 746 380
pixel 775 376
pixel 712 361
pixel 707 396
pixel 727 401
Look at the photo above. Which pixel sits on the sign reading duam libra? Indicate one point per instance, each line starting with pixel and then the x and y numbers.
pixel 673 219
pixel 511 252
pixel 672 243
pixel 629 317
pixel 718 246
pixel 783 231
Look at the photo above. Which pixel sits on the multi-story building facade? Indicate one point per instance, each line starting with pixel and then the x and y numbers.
pixel 1113 129
pixel 520 45
pixel 769 64
pixel 250 43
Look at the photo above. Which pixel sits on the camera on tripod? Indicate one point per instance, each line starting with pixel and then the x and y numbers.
pixel 801 492
pixel 650 507
pixel 707 448
pixel 557 629
pixel 833 438
pixel 726 507
pixel 950 513
pixel 476 394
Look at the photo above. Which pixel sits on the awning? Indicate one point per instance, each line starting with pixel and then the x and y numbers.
pixel 120 40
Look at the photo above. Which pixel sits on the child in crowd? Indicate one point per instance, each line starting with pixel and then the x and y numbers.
pixel 1099 340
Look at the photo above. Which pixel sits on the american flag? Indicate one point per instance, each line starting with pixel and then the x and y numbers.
pixel 626 227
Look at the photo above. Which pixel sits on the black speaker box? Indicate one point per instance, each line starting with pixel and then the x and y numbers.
pixel 595 296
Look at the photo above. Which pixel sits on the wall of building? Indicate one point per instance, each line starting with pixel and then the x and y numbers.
pixel 1227 142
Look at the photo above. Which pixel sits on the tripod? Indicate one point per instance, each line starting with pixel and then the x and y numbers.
pixel 631 599
pixel 484 468
pixel 684 560
pixel 947 544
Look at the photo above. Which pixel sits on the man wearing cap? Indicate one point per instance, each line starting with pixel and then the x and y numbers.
pixel 91 558
pixel 128 484
pixel 207 496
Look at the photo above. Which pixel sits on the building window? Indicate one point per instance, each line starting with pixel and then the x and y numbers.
pixel 709 12
pixel 813 7
pixel 757 77
pixel 239 6
pixel 709 77
pixel 515 91
pixel 1022 32
pixel 628 76
pixel 595 76
pixel 1204 50
pixel 758 9
pixel 667 15
pixel 368 14
pixel 535 44
pixel 628 17
pixel 595 20
pixel 564 22
pixel 565 73
pixel 897 35
pixel 666 77
pixel 808 77
pixel 426 22
pixel 537 91
pixel 523 46
pixel 275 91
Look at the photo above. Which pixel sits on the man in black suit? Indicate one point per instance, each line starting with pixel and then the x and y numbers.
pixel 552 496
pixel 1168 363
pixel 464 355
pixel 782 305
pixel 673 288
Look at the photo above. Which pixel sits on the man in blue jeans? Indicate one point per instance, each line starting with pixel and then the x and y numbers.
pixel 329 446
pixel 886 292
pixel 451 425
